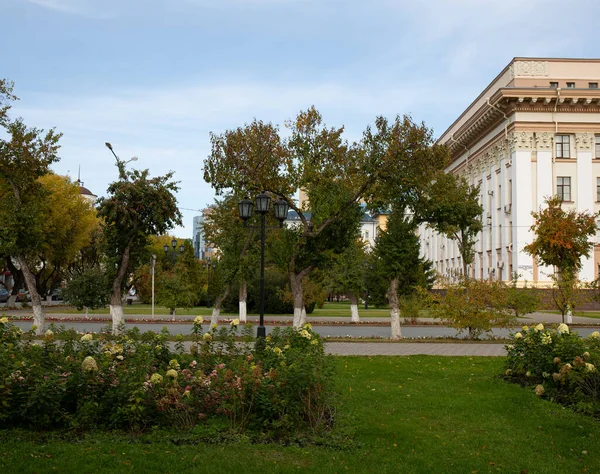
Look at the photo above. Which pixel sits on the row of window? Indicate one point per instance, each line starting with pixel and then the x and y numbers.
pixel 571 85
pixel 562 146
pixel 563 188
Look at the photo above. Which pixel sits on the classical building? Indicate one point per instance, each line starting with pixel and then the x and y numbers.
pixel 532 133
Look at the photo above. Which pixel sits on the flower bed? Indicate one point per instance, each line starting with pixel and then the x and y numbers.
pixel 134 381
pixel 559 364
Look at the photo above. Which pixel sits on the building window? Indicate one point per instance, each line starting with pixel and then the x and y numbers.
pixel 593 85
pixel 563 146
pixel 554 85
pixel 570 85
pixel 563 188
pixel 367 235
pixel 597 146
pixel 598 189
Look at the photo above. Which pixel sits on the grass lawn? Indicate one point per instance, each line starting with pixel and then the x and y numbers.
pixel 330 309
pixel 584 314
pixel 414 414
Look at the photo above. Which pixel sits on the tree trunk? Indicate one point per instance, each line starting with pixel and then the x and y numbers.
pixel 392 296
pixel 116 299
pixel 17 276
pixel 296 285
pixel 11 302
pixel 36 301
pixel 116 311
pixel 353 307
pixel 216 312
pixel 243 298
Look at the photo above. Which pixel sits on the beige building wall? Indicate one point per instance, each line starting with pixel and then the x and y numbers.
pixel 506 142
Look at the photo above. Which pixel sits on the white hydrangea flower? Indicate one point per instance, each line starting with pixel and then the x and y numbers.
pixel 563 329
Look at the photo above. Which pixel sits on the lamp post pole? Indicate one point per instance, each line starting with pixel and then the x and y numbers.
pixel 262 207
pixel 152 265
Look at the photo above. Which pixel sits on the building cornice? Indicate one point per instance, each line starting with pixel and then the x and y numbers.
pixel 508 101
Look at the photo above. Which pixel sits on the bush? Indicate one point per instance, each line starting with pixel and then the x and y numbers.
pixel 560 364
pixel 274 390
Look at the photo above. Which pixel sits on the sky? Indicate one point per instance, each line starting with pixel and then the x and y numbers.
pixel 156 77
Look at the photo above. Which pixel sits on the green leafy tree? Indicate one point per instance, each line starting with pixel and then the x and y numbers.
pixel 25 155
pixel 453 209
pixel 522 300
pixel 398 264
pixel 347 275
pixel 136 207
pixel 562 237
pixel 475 306
pixel 238 250
pixel 88 289
pixel 315 159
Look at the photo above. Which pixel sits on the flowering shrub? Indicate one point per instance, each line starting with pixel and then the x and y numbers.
pixel 560 364
pixel 135 381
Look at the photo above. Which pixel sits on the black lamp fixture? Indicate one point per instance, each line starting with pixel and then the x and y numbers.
pixel 263 202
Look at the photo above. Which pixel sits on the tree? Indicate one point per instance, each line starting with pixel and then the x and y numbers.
pixel 561 238
pixel 398 264
pixel 335 176
pixel 25 155
pixel 238 250
pixel 347 275
pixel 475 305
pixel 179 284
pixel 136 207
pixel 69 222
pixel 407 160
pixel 453 209
pixel 522 301
pixel 88 289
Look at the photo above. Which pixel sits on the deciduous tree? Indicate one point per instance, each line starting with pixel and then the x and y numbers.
pixel 453 209
pixel 25 155
pixel 136 207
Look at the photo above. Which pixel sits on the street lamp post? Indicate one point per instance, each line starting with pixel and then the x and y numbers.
pixel 281 207
pixel 368 267
pixel 152 265
pixel 173 253
pixel 120 163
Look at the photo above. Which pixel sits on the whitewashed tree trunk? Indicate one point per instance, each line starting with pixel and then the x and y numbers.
pixel 243 298
pixel 36 302
pixel 354 317
pixel 569 315
pixel 296 285
pixel 394 303
pixel 216 312
pixel 116 299
pixel 12 301
pixel 116 312
pixel 87 314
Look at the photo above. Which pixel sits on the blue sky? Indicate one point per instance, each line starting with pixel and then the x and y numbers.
pixel 154 77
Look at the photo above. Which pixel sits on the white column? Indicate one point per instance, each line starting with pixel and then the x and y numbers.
pixel 545 188
pixel 585 193
pixel 522 204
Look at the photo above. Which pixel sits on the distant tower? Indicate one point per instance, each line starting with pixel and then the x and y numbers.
pixel 85 192
pixel 198 237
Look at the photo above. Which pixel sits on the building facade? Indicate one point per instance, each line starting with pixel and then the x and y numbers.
pixel 532 133
pixel 198 240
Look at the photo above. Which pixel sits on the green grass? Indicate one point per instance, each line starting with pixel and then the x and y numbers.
pixel 414 414
pixel 584 314
pixel 330 309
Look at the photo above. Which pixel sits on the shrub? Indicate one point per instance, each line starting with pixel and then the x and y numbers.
pixel 134 381
pixel 561 362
